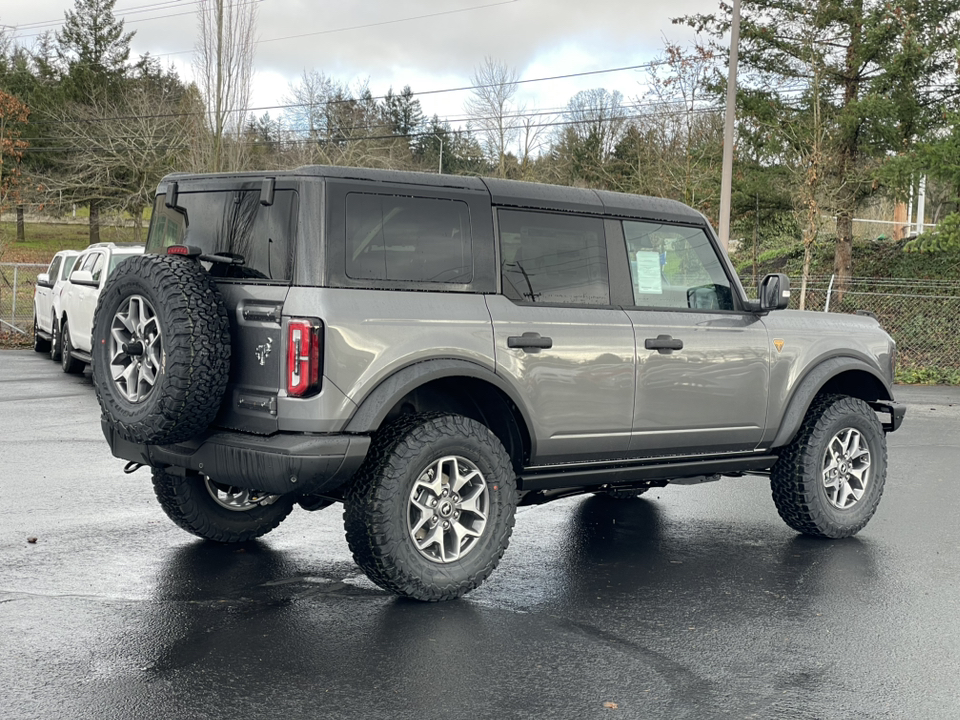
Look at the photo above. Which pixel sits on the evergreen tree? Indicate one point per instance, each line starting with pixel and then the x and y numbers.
pixel 92 49
pixel 883 68
pixel 402 111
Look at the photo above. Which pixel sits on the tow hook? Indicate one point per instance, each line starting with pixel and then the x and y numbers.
pixel 131 467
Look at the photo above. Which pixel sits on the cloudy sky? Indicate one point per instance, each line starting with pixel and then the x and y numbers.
pixel 427 44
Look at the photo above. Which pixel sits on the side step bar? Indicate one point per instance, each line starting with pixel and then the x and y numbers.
pixel 545 478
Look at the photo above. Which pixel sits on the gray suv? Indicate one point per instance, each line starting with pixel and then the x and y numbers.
pixel 433 351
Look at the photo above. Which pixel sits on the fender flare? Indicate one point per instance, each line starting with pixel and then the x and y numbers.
pixel 811 384
pixel 374 407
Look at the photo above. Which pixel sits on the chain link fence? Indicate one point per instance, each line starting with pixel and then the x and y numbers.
pixel 17 283
pixel 923 316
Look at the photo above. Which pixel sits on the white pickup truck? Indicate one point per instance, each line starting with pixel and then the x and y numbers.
pixel 78 300
pixel 46 302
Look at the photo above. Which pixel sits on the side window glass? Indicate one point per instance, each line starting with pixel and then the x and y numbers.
pixel 553 258
pixel 97 270
pixel 407 238
pixel 88 261
pixel 68 266
pixel 54 268
pixel 675 267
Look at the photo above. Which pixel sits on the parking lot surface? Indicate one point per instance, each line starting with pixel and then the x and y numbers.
pixel 690 602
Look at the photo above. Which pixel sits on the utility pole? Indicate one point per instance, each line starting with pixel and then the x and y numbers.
pixel 440 164
pixel 726 179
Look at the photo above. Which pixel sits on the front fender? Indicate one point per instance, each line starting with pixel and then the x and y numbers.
pixel 813 382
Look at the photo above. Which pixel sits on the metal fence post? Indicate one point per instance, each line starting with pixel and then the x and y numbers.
pixel 13 312
pixel 826 308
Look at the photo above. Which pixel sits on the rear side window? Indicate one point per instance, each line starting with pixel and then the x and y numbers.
pixel 397 238
pixel 231 222
pixel 553 258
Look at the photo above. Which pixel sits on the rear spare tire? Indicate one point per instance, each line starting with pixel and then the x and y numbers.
pixel 161 349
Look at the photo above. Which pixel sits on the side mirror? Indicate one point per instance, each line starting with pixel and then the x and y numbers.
pixel 82 277
pixel 43 280
pixel 774 292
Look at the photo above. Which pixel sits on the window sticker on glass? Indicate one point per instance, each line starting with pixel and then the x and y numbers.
pixel 646 276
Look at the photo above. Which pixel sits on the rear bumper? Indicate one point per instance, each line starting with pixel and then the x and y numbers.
pixel 278 463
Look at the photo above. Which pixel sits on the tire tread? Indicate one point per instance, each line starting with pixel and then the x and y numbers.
pixel 795 476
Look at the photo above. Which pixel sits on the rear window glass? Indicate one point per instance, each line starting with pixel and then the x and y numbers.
pixel 232 223
pixel 408 239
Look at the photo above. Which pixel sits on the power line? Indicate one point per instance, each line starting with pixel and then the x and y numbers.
pixel 148 8
pixel 462 88
pixel 411 136
pixel 120 13
pixel 456 119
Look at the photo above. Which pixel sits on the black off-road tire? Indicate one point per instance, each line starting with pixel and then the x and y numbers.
pixel 68 362
pixel 796 479
pixel 40 344
pixel 55 343
pixel 377 501
pixel 186 501
pixel 194 362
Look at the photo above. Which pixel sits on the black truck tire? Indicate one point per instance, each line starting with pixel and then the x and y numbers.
pixel 430 512
pixel 40 344
pixel 216 511
pixel 55 350
pixel 828 481
pixel 68 363
pixel 161 349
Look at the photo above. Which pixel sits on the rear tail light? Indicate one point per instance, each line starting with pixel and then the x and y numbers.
pixel 304 357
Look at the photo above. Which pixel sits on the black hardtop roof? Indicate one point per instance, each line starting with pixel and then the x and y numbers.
pixel 509 193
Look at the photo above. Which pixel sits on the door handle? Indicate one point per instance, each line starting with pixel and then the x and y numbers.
pixel 530 342
pixel 664 344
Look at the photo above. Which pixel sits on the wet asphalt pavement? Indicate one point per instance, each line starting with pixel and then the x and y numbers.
pixel 691 602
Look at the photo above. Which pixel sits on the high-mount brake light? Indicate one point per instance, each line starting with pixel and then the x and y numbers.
pixel 184 250
pixel 304 353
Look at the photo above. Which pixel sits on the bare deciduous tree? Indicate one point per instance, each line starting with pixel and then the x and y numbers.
pixel 600 115
pixel 223 66
pixel 116 151
pixel 489 108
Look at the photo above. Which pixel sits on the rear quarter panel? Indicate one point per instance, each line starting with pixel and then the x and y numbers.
pixel 371 334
